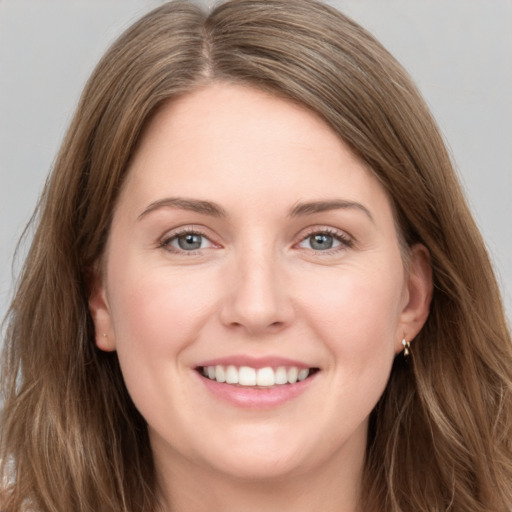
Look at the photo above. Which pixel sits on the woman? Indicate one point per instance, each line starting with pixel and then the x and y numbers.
pixel 255 285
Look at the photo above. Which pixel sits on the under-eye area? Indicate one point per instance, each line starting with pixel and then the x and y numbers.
pixel 259 377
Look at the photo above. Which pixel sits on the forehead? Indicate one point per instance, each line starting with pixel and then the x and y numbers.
pixel 230 141
pixel 222 115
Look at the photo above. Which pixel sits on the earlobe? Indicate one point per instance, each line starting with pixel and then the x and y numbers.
pixel 419 294
pixel 100 313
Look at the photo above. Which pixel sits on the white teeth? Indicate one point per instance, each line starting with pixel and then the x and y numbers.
pixel 220 374
pixel 303 373
pixel 281 375
pixel 292 374
pixel 246 376
pixel 231 375
pixel 263 377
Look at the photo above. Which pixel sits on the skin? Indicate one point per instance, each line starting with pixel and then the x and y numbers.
pixel 257 286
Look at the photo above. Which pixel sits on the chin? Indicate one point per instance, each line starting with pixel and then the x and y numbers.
pixel 261 467
pixel 264 454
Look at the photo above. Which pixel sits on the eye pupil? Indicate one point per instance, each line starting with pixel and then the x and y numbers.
pixel 190 242
pixel 321 241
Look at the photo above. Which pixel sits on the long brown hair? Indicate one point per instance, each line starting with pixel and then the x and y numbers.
pixel 441 436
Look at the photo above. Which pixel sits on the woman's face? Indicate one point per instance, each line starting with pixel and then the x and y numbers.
pixel 250 244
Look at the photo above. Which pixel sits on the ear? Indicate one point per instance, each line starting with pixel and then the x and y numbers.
pixel 418 291
pixel 100 312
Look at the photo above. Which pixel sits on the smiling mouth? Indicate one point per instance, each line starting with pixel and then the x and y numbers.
pixel 256 377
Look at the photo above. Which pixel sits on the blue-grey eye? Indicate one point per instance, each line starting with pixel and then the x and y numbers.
pixel 320 242
pixel 189 242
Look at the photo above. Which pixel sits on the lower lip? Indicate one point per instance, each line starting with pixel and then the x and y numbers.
pixel 256 398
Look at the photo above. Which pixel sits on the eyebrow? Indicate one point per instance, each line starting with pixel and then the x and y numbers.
pixel 193 205
pixel 309 208
pixel 215 210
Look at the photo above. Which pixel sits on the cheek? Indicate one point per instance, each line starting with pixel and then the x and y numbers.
pixel 157 314
pixel 356 312
pixel 158 311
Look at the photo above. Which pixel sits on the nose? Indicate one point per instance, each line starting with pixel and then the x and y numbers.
pixel 257 297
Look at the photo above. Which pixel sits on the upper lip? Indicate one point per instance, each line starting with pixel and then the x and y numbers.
pixel 254 362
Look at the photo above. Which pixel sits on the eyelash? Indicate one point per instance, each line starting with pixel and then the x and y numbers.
pixel 344 240
pixel 165 243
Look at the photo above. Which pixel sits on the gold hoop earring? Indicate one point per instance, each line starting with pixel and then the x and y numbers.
pixel 407 347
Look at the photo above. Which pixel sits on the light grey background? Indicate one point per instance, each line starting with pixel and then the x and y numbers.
pixel 458 51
